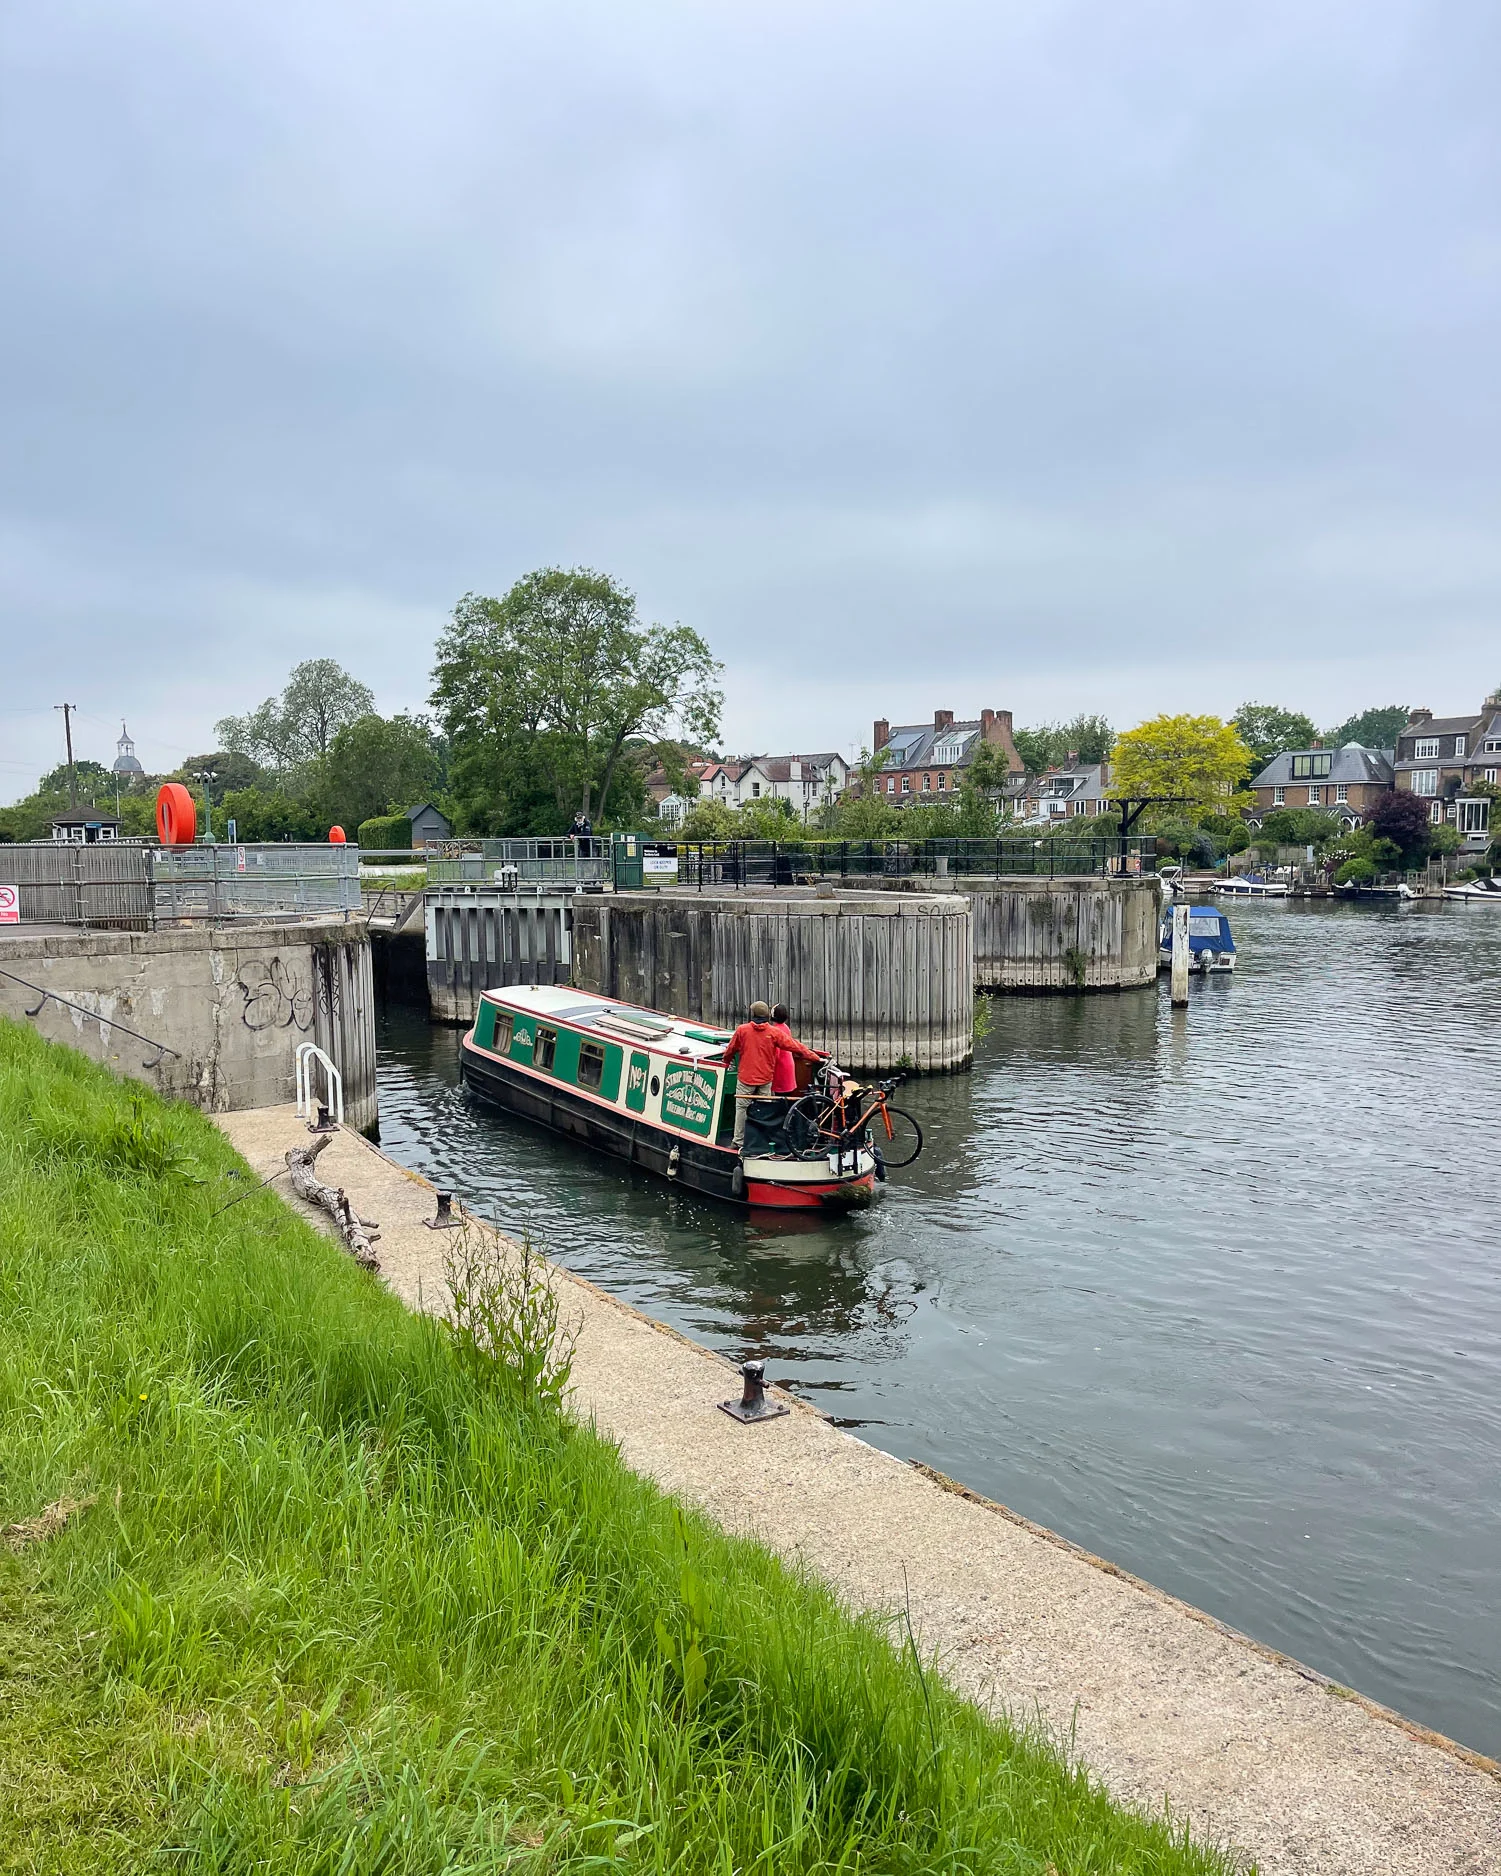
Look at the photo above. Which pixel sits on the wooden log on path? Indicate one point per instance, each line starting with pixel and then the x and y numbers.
pixel 359 1234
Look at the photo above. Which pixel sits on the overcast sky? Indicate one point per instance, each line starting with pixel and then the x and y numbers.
pixel 1047 356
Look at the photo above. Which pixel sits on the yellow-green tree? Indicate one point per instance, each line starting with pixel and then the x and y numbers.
pixel 1200 761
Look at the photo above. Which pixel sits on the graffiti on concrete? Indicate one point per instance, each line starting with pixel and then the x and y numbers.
pixel 273 1000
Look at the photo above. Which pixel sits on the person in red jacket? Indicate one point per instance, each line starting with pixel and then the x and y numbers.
pixel 753 1049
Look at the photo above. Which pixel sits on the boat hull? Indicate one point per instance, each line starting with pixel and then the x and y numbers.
pixel 715 1171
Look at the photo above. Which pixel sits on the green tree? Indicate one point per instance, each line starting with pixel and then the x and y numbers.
pixel 1374 729
pixel 297 728
pixel 94 781
pixel 379 765
pixel 541 692
pixel 1299 827
pixel 1088 739
pixel 1198 762
pixel 262 814
pixel 1267 730
pixel 710 820
pixel 231 770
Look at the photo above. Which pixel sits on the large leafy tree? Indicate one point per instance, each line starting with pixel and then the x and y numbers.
pixel 380 765
pixel 543 691
pixel 1405 820
pixel 297 728
pixel 1268 730
pixel 1375 729
pixel 1049 745
pixel 1197 761
pixel 230 769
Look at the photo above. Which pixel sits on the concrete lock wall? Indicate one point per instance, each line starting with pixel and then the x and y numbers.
pixel 1063 934
pixel 881 980
pixel 482 937
pixel 230 1004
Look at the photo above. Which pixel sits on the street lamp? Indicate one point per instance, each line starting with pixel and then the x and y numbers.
pixel 207 777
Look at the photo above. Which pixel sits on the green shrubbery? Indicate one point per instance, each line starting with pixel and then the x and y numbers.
pixel 386 830
pixel 325 1604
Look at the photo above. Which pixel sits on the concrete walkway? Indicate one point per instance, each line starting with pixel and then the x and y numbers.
pixel 1164 1702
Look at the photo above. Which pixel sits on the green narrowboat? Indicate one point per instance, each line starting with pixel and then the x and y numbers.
pixel 648 1088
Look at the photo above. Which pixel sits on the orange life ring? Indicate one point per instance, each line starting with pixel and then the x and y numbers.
pixel 336 836
pixel 176 815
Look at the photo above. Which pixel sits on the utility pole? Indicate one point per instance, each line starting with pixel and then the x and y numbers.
pixel 67 710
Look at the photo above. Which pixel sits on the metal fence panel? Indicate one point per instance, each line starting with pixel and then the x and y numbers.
pixel 565 861
pixel 274 880
pixel 65 882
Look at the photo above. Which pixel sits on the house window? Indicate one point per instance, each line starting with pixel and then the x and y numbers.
pixel 1425 747
pixel 1279 795
pixel 1425 781
pixel 1459 745
pixel 1342 791
pixel 943 782
pixel 1492 745
pixel 927 784
pixel 546 1049
pixel 755 788
pixel 591 1064
pixel 1315 797
pixel 1315 764
pixel 1436 812
pixel 906 784
pixel 1474 817
pixel 1490 775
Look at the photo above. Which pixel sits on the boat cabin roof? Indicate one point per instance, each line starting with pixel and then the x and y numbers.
pixel 613 1020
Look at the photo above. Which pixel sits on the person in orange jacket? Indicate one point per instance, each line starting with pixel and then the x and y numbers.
pixel 753 1048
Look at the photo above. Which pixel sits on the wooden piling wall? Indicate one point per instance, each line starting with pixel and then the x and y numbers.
pixel 1063 934
pixel 880 980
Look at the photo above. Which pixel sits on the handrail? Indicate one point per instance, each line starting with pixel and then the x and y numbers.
pixel 107 1022
pixel 333 1082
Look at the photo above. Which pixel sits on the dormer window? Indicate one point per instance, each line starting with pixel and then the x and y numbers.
pixel 1311 765
pixel 1425 748
pixel 1459 745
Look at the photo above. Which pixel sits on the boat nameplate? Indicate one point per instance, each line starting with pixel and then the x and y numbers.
pixel 688 1097
pixel 635 1082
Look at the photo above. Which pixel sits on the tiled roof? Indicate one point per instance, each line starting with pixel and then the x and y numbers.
pixel 912 744
pixel 1353 763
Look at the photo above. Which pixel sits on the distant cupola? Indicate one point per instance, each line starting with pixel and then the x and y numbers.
pixel 126 760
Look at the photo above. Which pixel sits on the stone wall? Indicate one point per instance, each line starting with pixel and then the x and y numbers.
pixel 881 980
pixel 223 1008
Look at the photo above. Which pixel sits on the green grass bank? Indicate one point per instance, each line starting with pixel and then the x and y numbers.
pixel 334 1601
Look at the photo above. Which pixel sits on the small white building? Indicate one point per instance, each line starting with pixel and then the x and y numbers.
pixel 807 782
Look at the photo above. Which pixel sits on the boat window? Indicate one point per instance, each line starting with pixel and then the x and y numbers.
pixel 591 1064
pixel 547 1047
pixel 501 1040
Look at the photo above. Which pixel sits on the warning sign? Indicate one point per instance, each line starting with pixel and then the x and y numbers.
pixel 10 905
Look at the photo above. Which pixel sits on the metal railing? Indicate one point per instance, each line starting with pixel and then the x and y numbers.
pixel 272 880
pixel 741 863
pixel 565 861
pixel 105 884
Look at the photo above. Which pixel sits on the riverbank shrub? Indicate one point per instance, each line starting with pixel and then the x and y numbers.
pixel 282 1590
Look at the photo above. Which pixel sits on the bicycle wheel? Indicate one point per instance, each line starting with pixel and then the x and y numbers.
pixel 808 1122
pixel 904 1141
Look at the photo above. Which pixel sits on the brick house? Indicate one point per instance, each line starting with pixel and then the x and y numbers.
pixel 1345 782
pixel 927 760
pixel 1066 793
pixel 1442 758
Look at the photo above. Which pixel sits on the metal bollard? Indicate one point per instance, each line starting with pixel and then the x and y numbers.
pixel 753 1404
pixel 325 1122
pixel 446 1219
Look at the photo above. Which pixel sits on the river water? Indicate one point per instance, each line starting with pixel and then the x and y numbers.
pixel 1216 1294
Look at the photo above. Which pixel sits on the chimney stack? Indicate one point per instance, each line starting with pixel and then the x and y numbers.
pixel 995 727
pixel 882 734
pixel 1419 716
pixel 942 719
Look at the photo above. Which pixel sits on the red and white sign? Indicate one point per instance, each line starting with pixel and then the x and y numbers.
pixel 10 905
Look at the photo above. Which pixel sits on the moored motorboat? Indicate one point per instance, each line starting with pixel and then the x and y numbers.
pixel 656 1090
pixel 1482 891
pixel 1253 886
pixel 1210 945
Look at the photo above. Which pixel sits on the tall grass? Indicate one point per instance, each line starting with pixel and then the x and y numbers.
pixel 335 1609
